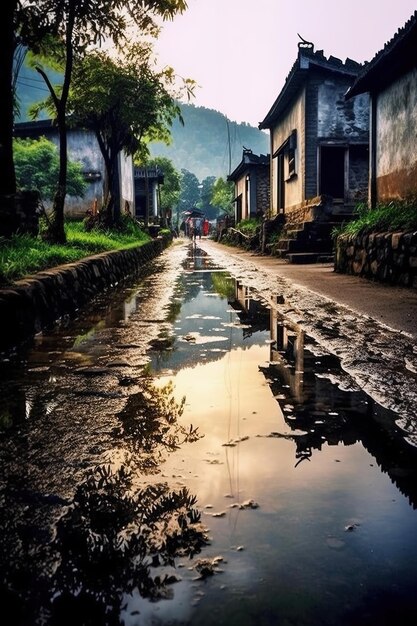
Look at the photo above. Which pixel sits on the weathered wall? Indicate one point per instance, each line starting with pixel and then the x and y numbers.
pixel 41 300
pixel 358 175
pixel 240 189
pixel 294 120
pixel 396 128
pixel 127 183
pixel 338 118
pixel 385 257
pixel 332 120
pixel 83 147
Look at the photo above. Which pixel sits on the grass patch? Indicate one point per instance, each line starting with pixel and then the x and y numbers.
pixel 393 216
pixel 23 255
pixel 248 227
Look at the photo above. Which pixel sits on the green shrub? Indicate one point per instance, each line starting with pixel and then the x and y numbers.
pixel 395 215
pixel 249 226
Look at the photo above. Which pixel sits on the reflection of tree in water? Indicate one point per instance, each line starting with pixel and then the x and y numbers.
pixel 111 537
pixel 150 425
pixel 112 541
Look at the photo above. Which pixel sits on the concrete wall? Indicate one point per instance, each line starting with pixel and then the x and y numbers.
pixel 396 144
pixel 385 257
pixel 83 147
pixel 41 300
pixel 127 184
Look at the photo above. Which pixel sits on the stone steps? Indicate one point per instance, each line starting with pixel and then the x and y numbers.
pixel 305 242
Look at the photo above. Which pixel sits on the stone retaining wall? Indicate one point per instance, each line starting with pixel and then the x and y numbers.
pixel 37 302
pixel 385 257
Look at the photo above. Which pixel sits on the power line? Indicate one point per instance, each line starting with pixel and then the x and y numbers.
pixel 33 86
pixel 32 78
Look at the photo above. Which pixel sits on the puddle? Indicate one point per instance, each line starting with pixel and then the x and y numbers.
pixel 333 527
pixel 232 475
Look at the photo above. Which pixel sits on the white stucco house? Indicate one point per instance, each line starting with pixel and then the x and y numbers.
pixel 83 147
pixel 390 79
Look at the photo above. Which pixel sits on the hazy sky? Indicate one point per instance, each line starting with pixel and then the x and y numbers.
pixel 240 51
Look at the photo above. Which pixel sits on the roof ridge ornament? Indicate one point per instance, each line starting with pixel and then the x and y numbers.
pixel 305 44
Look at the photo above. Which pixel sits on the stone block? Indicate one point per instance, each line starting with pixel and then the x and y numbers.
pixel 396 240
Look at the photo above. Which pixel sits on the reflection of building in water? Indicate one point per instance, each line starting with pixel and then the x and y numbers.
pixel 321 408
pixel 251 312
pixel 287 352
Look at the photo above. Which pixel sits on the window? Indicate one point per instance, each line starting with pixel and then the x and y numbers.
pixel 291 154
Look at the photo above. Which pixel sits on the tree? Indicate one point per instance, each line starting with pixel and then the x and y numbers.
pixel 222 195
pixel 125 104
pixel 37 167
pixel 190 191
pixel 79 26
pixel 171 189
pixel 206 193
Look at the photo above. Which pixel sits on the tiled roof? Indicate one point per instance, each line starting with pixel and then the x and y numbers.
pixel 248 160
pixel 397 57
pixel 306 60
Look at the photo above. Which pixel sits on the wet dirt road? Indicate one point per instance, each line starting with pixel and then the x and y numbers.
pixel 381 359
pixel 191 452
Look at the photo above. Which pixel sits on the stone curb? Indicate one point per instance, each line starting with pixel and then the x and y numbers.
pixel 39 301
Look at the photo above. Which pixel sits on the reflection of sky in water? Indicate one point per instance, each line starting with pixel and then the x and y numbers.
pixel 201 318
pixel 331 533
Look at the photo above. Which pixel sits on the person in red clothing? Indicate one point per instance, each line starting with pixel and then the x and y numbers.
pixel 206 227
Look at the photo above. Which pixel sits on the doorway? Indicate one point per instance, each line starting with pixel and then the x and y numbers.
pixel 332 171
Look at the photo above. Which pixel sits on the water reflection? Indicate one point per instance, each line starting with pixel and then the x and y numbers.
pixel 72 558
pixel 109 478
pixel 151 426
pixel 285 427
pixel 323 407
pixel 86 518
pixel 115 540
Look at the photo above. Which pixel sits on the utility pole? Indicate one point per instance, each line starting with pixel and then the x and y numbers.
pixel 228 143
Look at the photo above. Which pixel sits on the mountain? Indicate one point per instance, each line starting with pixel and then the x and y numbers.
pixel 208 144
pixel 202 145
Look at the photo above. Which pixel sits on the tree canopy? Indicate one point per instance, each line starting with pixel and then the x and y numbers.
pixel 222 195
pixel 37 167
pixel 190 191
pixel 170 190
pixel 78 26
pixel 126 104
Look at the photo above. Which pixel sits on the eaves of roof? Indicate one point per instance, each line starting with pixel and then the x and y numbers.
pixel 397 57
pixel 298 75
pixel 23 129
pixel 246 164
